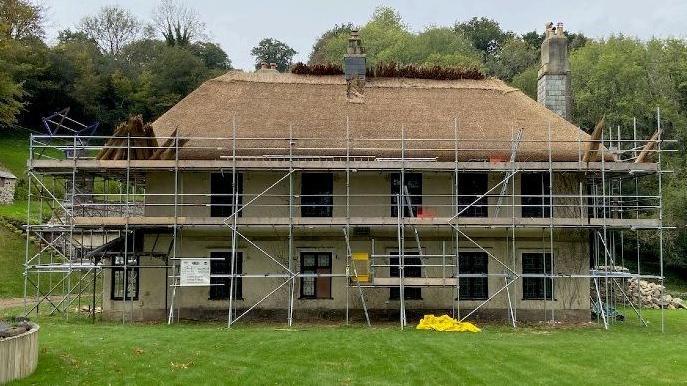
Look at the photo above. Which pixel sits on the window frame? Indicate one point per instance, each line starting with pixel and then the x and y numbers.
pixel 238 282
pixel 472 280
pixel 481 207
pixel 415 293
pixel 546 294
pixel 114 282
pixel 316 252
pixel 222 206
pixel 415 197
pixel 310 207
pixel 535 207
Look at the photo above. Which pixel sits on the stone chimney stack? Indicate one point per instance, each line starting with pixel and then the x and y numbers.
pixel 355 68
pixel 553 84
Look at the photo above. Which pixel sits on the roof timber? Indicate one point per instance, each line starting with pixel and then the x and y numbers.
pixel 253 164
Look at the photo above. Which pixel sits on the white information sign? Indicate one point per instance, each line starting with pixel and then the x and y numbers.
pixel 195 272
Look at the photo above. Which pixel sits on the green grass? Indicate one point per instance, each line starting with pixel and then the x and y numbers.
pixel 12 247
pixel 15 152
pixel 77 352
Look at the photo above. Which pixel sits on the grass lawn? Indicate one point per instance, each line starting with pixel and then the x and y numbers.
pixel 12 256
pixel 77 352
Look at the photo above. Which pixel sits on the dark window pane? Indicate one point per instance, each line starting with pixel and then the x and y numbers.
pixel 470 187
pixel 535 191
pixel 222 194
pixel 473 288
pixel 537 288
pixel 223 267
pixel 316 194
pixel 410 259
pixel 413 183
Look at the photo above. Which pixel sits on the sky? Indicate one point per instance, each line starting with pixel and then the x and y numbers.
pixel 239 25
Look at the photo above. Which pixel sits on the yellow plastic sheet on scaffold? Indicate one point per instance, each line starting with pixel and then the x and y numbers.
pixel 445 323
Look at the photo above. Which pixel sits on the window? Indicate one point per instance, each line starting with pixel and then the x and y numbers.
pixel 124 284
pixel 473 288
pixel 316 194
pixel 222 194
pixel 223 267
pixel 537 288
pixel 413 268
pixel 535 191
pixel 413 182
pixel 470 187
pixel 316 287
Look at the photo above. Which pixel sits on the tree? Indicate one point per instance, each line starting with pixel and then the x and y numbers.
pixel 177 23
pixel 486 34
pixel 318 54
pixel 112 28
pixel 10 99
pixel 270 50
pixel 514 57
pixel 212 55
pixel 20 19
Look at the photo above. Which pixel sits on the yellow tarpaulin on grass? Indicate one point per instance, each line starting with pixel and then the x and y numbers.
pixel 445 323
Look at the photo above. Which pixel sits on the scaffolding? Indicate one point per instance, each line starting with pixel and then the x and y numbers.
pixel 101 209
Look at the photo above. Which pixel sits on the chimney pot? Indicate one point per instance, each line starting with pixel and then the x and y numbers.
pixel 263 66
pixel 273 66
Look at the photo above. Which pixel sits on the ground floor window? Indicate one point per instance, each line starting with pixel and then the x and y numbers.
pixel 473 288
pixel 537 288
pixel 316 263
pixel 124 284
pixel 413 268
pixel 220 264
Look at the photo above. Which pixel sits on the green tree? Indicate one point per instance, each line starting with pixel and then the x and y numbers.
pixel 271 50
pixel 21 19
pixel 485 34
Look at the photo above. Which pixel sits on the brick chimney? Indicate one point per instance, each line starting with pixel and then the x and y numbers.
pixel 553 84
pixel 355 67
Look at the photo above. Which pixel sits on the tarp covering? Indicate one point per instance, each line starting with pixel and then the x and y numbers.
pixel 445 323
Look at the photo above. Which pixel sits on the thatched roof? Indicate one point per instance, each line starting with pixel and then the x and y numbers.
pixel 264 104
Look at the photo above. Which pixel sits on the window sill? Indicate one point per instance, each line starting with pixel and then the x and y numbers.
pixel 309 298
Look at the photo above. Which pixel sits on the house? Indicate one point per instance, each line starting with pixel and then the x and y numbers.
pixel 8 183
pixel 292 197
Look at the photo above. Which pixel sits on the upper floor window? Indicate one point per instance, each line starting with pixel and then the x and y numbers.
pixel 222 194
pixel 535 191
pixel 470 187
pixel 412 193
pixel 317 191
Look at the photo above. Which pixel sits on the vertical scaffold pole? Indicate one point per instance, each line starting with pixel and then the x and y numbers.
pixel 456 208
pixel 660 217
pixel 234 210
pixel 174 231
pixel 292 283
pixel 348 214
pixel 28 229
pixel 551 220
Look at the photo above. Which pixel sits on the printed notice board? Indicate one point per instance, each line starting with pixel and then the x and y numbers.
pixel 195 272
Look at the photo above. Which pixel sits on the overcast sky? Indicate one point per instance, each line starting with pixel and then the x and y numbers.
pixel 238 25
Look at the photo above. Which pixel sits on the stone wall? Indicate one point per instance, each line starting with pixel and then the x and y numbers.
pixel 7 186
